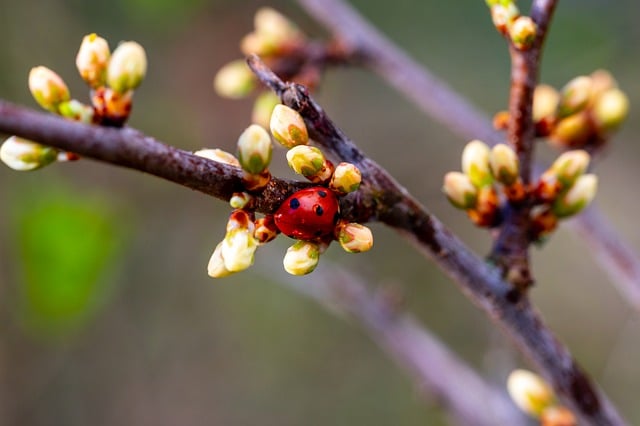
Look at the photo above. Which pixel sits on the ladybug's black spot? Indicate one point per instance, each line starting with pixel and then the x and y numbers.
pixel 322 193
pixel 318 233
pixel 319 210
pixel 294 203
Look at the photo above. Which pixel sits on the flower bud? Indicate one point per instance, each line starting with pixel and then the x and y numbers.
pixel 543 222
pixel 572 131
pixel 574 96
pixel 254 149
pixel 288 127
pixel 577 197
pixel 127 67
pixel 263 107
pixel 239 245
pixel 234 80
pixel 504 164
pixel 570 165
pixel 530 393
pixel 240 200
pixel 610 110
pixel 266 229
pixel 24 155
pixel 548 187
pixel 523 32
pixel 301 258
pixel 216 267
pixel 76 111
pixel 111 107
pixel 346 178
pixel 545 102
pixel 475 163
pixel 273 27
pixel 92 60
pixel 459 190
pixel 48 88
pixel 503 15
pixel 219 156
pixel 486 212
pixel 255 182
pixel 601 81
pixel 305 160
pixel 355 238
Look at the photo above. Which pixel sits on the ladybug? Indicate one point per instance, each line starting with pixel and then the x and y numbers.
pixel 309 214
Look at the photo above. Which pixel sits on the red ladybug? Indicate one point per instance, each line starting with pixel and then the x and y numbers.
pixel 309 214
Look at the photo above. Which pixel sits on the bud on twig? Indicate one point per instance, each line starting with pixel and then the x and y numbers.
pixel 127 67
pixel 523 32
pixel 239 245
pixel 504 164
pixel 305 160
pixel 234 80
pixel 577 197
pixel 572 131
pixel 354 238
pixel 486 212
pixel 240 200
pixel 301 258
pixel 610 110
pixel 346 178
pixel 558 416
pixel 76 111
pixel 216 267
pixel 459 190
pixel 24 155
pixel 545 102
pixel 569 166
pixel 503 14
pixel 254 149
pixel 288 127
pixel 266 229
pixel 48 88
pixel 574 96
pixel 475 163
pixel 530 393
pixel 218 156
pixel 92 60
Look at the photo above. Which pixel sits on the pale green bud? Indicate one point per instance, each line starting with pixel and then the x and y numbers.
pixel 475 163
pixel 305 160
pixel 263 107
pixel 504 164
pixel 24 155
pixel 254 149
pixel 355 238
pixel 530 393
pixel 610 110
pixel 239 245
pixel 301 258
pixel 523 32
pixel 240 200
pixel 48 88
pixel 288 127
pixel 577 197
pixel 216 267
pixel 569 166
pixel 274 27
pixel 76 110
pixel 575 96
pixel 503 15
pixel 545 102
pixel 459 190
pixel 92 60
pixel 601 81
pixel 572 131
pixel 218 156
pixel 346 178
pixel 234 80
pixel 127 67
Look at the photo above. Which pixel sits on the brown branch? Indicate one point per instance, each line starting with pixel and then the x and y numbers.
pixel 434 369
pixel 383 198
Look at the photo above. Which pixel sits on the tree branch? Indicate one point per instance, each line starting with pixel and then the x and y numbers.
pixel 393 205
pixel 437 100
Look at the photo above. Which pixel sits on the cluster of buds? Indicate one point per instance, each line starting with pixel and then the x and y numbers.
pixel 112 78
pixel 311 216
pixel 536 398
pixel 561 192
pixel 521 30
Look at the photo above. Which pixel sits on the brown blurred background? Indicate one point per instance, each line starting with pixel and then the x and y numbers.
pixel 107 316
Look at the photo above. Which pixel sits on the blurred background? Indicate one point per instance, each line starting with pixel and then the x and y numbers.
pixel 107 315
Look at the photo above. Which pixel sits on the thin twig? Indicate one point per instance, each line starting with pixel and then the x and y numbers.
pixel 436 99
pixel 394 206
pixel 436 371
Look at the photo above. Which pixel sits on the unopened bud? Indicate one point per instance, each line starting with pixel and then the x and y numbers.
pixel 572 131
pixel 255 182
pixel 475 163
pixel 263 107
pixel 610 110
pixel 503 15
pixel 548 187
pixel 111 107
pixel 239 245
pixel 216 267
pixel 543 222
pixel 24 155
pixel 523 32
pixel 575 96
pixel 76 111
pixel 274 27
pixel 577 197
pixel 346 178
pixel 288 127
pixel 530 393
pixel 254 149
pixel 601 81
pixel 504 164
pixel 234 80
pixel 545 102
pixel 48 88
pixel 355 238
pixel 486 212
pixel 558 416
pixel 127 67
pixel 240 200
pixel 459 190
pixel 305 160
pixel 301 258
pixel 92 60
pixel 218 156
pixel 266 229
pixel 501 120
pixel 570 165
